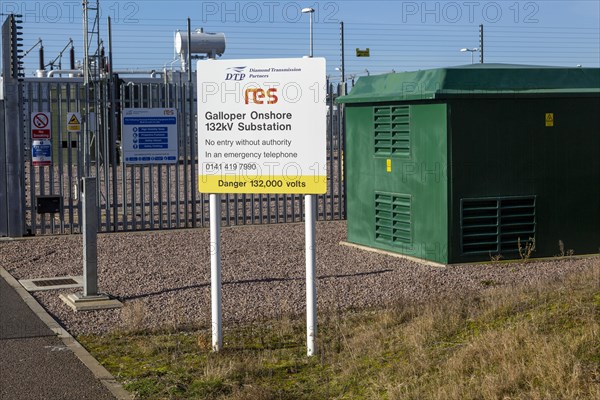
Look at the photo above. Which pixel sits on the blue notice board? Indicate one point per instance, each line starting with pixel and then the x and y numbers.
pixel 150 136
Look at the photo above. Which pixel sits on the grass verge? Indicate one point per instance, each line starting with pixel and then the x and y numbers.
pixel 536 342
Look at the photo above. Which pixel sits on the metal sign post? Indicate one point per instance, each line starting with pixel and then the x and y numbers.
pixel 311 261
pixel 310 222
pixel 215 271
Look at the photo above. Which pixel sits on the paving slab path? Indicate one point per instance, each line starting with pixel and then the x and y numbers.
pixel 35 361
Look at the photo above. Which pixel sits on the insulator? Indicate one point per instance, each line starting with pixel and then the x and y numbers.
pixel 42 63
pixel 72 57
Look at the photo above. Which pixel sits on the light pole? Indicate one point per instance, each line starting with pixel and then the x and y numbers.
pixel 470 51
pixel 311 253
pixel 310 11
pixel 341 71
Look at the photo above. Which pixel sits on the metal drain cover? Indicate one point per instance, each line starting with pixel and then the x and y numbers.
pixel 54 282
pixel 64 282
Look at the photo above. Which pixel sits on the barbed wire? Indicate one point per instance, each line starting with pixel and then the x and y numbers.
pixel 148 44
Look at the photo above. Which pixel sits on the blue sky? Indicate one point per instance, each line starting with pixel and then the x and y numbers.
pixel 401 35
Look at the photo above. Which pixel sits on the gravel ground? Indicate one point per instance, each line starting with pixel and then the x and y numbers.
pixel 163 277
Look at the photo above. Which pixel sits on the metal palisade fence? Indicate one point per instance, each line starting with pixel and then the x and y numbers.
pixel 144 197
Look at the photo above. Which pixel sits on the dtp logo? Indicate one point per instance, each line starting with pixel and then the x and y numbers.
pixel 235 74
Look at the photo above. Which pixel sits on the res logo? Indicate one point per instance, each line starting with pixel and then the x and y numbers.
pixel 169 112
pixel 258 96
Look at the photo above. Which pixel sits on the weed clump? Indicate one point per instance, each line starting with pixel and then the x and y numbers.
pixel 526 249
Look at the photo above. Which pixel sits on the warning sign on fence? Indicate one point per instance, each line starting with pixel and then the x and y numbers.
pixel 41 125
pixel 73 122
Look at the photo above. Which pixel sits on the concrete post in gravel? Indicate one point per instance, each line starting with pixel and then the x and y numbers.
pixel 90 237
pixel 90 299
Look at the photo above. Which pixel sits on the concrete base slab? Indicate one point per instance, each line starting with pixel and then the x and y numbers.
pixel 40 284
pixel 79 302
pixel 397 255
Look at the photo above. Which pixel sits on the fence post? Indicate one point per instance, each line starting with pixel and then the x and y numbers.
pixel 3 187
pixel 14 167
pixel 342 91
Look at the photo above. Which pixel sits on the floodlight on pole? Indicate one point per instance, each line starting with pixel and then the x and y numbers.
pixel 310 11
pixel 464 50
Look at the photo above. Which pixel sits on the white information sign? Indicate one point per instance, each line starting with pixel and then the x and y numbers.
pixel 150 136
pixel 262 126
pixel 41 153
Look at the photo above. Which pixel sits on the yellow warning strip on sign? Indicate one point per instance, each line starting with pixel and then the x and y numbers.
pixel 262 184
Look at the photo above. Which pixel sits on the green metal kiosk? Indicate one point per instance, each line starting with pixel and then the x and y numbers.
pixel 468 163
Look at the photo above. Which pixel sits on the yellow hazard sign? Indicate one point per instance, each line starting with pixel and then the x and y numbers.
pixel 549 119
pixel 363 53
pixel 73 122
pixel 388 165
